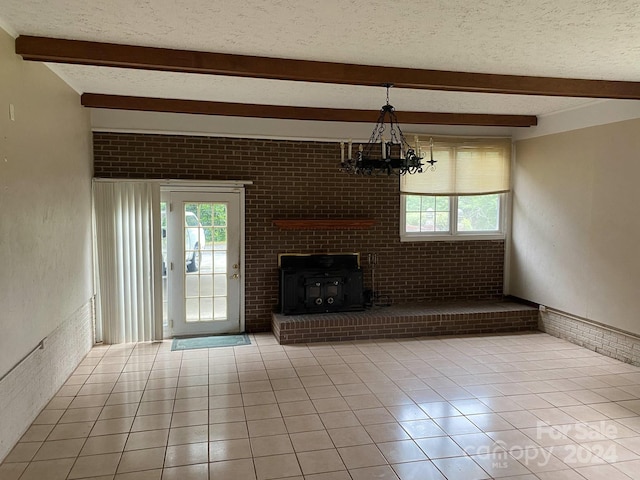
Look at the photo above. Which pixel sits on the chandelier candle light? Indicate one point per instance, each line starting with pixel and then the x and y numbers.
pixel 396 155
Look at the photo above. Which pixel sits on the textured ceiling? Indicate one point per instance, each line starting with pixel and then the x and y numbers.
pixel 596 39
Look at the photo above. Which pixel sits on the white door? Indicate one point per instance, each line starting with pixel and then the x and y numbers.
pixel 203 271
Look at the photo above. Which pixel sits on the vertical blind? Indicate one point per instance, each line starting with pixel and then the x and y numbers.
pixel 465 166
pixel 128 260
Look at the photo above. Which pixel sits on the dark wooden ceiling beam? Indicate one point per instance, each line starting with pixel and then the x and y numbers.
pixel 149 58
pixel 147 104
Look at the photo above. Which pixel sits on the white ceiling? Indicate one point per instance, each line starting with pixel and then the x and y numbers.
pixel 595 39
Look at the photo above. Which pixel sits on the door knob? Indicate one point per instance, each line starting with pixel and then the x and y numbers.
pixel 236 266
pixel 235 276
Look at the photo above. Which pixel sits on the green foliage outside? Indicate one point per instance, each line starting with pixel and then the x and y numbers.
pixel 478 213
pixel 163 214
pixel 213 218
pixel 428 213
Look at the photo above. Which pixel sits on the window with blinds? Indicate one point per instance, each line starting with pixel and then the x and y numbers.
pixel 463 197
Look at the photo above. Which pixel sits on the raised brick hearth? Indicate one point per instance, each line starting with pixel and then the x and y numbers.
pixel 407 320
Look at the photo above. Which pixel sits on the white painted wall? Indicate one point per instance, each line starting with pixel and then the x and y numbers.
pixel 599 112
pixel 576 226
pixel 45 233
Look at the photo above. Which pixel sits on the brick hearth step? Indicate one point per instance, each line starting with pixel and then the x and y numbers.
pixel 406 320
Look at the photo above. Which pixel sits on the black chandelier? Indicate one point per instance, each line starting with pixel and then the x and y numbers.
pixel 391 156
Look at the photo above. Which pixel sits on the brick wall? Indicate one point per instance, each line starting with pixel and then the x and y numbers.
pixel 301 180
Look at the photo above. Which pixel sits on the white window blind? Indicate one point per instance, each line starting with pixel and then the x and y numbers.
pixel 465 166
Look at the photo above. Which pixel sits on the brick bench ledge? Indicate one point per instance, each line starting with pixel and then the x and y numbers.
pixel 406 320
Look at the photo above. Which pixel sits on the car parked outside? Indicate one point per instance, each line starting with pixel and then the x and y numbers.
pixel 194 242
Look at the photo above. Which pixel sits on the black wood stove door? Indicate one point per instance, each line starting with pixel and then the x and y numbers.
pixel 316 292
pixel 323 292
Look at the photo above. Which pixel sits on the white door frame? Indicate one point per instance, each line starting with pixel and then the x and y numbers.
pixel 237 187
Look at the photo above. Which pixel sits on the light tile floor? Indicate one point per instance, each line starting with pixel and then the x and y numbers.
pixel 522 407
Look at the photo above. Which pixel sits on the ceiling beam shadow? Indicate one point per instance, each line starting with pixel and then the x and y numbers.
pixel 201 107
pixel 58 50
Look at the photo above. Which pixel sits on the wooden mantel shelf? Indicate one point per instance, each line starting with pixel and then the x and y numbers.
pixel 324 224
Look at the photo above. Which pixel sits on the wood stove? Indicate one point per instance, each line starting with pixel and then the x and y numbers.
pixel 320 283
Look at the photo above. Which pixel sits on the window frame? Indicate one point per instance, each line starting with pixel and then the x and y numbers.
pixel 453 234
